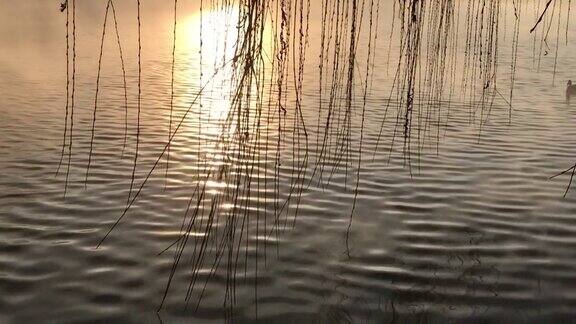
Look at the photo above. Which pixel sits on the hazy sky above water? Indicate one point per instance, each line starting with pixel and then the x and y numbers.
pixel 32 34
pixel 35 30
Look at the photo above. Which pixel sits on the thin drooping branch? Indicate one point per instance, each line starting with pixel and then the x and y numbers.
pixel 171 87
pixel 97 91
pixel 572 170
pixel 64 6
pixel 72 98
pixel 138 104
pixel 541 16
pixel 123 66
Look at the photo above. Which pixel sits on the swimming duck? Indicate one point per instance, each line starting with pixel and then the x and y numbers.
pixel 570 90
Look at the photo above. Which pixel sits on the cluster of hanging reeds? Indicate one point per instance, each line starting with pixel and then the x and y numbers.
pixel 270 149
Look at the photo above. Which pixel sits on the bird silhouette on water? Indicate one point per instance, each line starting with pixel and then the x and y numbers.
pixel 570 90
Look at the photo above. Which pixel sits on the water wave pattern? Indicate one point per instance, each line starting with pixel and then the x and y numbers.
pixel 471 230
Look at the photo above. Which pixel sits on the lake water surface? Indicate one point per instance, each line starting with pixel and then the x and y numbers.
pixel 473 232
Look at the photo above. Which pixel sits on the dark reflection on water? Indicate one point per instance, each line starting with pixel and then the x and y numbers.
pixel 477 233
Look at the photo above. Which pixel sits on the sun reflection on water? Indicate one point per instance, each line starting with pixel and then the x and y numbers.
pixel 208 41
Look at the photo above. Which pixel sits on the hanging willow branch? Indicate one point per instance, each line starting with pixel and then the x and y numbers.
pixel 541 16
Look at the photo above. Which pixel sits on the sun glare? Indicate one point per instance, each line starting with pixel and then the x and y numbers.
pixel 207 41
pixel 212 34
